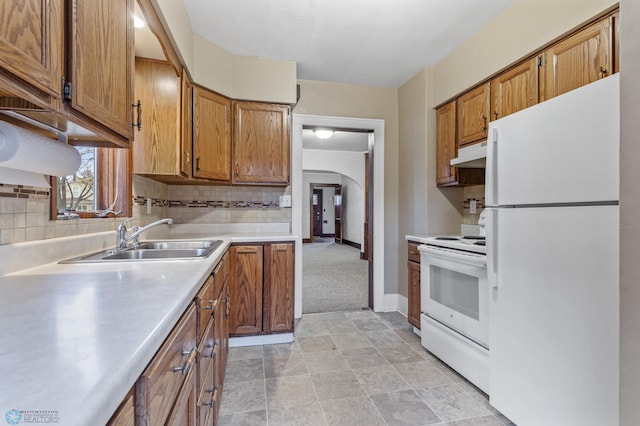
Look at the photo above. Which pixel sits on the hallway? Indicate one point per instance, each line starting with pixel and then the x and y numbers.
pixel 334 278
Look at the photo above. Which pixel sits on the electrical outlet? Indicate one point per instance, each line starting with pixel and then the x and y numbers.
pixel 148 205
pixel 473 205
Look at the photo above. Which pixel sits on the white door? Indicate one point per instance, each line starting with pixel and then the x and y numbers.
pixel 554 314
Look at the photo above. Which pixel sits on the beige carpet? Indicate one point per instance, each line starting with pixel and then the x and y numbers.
pixel 333 278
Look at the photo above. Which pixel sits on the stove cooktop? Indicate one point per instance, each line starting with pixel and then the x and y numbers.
pixel 475 244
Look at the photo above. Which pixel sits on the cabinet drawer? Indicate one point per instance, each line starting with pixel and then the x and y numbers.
pixel 413 253
pixel 207 351
pixel 205 303
pixel 157 388
pixel 209 397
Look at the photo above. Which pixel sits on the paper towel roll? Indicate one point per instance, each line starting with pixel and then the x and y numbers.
pixel 23 150
pixel 19 177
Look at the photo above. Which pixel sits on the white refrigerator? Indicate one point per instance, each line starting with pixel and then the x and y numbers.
pixel 552 256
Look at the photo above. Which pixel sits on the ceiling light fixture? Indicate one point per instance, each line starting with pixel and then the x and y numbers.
pixel 137 22
pixel 323 133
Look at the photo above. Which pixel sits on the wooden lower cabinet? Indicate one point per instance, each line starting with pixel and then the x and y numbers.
pixel 163 382
pixel 182 385
pixel 413 314
pixel 261 289
pixel 125 415
pixel 246 289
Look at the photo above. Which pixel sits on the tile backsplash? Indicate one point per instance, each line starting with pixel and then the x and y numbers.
pixel 24 211
pixel 472 193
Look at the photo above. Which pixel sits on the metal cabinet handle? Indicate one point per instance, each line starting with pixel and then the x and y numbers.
pixel 214 351
pixel 187 365
pixel 484 123
pixel 213 305
pixel 138 123
pixel 188 157
pixel 198 164
pixel 496 114
pixel 214 397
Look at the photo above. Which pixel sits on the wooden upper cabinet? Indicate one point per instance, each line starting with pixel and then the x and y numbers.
pixel 100 62
pixel 245 290
pixel 279 293
pixel 473 115
pixel 580 59
pixel 211 135
pixel 446 137
pixel 31 42
pixel 156 150
pixel 515 89
pixel 261 153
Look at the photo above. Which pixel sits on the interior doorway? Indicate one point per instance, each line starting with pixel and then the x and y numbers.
pixel 376 252
pixel 325 206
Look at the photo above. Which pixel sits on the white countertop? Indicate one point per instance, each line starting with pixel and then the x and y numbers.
pixel 74 338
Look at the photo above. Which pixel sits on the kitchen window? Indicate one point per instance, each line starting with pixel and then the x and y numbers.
pixel 100 188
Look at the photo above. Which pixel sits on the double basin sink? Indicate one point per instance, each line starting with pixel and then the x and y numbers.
pixel 153 250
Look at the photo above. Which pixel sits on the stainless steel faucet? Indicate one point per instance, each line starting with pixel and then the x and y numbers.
pixel 123 240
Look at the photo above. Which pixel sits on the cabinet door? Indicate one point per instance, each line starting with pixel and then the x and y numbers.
pixel 100 39
pixel 515 89
pixel 279 289
pixel 414 294
pixel 446 140
pixel 578 60
pixel 246 290
pixel 261 147
pixel 31 42
pixel 473 115
pixel 186 145
pixel 211 135
pixel 156 150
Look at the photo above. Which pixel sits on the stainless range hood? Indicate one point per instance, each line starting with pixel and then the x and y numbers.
pixel 473 156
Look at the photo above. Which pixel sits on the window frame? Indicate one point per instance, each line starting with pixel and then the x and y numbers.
pixel 105 173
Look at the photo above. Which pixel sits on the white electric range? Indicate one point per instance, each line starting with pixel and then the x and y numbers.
pixel 455 304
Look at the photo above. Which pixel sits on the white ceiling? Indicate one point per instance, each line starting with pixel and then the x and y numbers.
pixel 367 42
pixel 340 141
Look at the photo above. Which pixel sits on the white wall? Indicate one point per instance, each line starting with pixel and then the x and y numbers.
pixel 353 210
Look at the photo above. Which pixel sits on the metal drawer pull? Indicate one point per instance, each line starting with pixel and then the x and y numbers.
pixel 187 365
pixel 213 305
pixel 214 396
pixel 214 351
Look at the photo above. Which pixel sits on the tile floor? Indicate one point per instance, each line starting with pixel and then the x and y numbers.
pixel 349 368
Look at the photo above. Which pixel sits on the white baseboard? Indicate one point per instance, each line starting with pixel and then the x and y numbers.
pixel 396 303
pixel 269 339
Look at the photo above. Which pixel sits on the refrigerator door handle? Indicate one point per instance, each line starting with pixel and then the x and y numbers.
pixel 492 247
pixel 491 172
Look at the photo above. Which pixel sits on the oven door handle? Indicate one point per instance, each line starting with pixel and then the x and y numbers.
pixel 447 254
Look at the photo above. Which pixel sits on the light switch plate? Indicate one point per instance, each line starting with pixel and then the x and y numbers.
pixel 473 206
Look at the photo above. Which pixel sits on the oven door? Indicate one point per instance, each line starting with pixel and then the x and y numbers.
pixel 455 291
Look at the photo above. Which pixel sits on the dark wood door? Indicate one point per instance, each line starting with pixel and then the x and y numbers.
pixel 338 202
pixel 317 212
